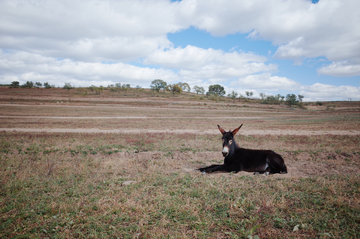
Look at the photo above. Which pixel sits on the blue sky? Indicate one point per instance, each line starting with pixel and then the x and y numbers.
pixel 263 46
pixel 305 73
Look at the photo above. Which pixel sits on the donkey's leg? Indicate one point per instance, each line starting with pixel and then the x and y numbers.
pixel 209 168
pixel 271 169
pixel 263 168
pixel 216 167
pixel 277 165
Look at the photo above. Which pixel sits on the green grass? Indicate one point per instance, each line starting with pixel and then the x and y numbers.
pixel 51 188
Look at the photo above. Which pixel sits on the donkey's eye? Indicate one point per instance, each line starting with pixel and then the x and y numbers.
pixel 230 141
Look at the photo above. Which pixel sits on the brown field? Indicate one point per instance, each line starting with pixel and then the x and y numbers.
pixel 122 164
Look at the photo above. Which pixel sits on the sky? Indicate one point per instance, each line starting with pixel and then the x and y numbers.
pixel 311 48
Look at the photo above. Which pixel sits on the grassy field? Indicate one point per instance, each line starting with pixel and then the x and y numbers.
pixel 144 185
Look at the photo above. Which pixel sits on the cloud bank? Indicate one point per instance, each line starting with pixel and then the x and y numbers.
pixel 107 41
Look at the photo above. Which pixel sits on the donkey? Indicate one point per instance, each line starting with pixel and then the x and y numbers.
pixel 249 160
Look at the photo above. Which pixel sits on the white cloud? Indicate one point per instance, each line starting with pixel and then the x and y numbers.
pixel 301 29
pixel 192 57
pixel 92 31
pixel 196 63
pixel 225 72
pixel 319 91
pixel 265 82
pixel 76 19
pixel 23 66
pixel 292 50
pixel 128 29
pixel 342 68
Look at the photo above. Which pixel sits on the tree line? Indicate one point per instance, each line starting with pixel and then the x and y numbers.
pixel 289 99
pixel 159 84
pixel 68 86
pixel 30 84
pixel 219 91
pixel 215 90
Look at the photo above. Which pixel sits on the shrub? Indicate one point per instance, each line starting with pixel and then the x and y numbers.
pixel 67 86
pixel 28 84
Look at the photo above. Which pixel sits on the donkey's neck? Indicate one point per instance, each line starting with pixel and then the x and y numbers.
pixel 233 147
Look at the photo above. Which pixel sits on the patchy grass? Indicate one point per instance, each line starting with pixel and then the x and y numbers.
pixel 74 185
pixel 68 185
pixel 58 108
pixel 168 116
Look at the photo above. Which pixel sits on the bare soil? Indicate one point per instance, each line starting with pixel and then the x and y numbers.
pixel 184 131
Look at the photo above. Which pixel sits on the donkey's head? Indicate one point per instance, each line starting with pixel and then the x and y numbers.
pixel 228 140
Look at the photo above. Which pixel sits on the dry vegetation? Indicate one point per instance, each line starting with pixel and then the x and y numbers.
pixel 143 185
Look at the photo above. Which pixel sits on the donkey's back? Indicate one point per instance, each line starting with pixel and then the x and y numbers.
pixel 258 161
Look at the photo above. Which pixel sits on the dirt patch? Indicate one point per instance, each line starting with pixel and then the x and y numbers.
pixel 124 117
pixel 185 131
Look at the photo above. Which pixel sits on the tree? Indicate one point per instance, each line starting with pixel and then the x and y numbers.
pixel 174 88
pixel 158 84
pixel 249 94
pixel 216 90
pixel 15 84
pixel 28 84
pixel 184 86
pixel 67 86
pixel 199 89
pixel 270 99
pixel 233 95
pixel 38 84
pixel 293 99
pixel 47 85
pixel 262 96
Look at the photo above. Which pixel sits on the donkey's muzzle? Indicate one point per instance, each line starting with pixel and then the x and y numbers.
pixel 225 151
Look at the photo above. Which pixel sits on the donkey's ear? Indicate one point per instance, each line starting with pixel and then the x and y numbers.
pixel 221 129
pixel 236 130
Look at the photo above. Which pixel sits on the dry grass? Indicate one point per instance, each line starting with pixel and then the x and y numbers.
pixel 193 116
pixel 73 185
pixel 67 185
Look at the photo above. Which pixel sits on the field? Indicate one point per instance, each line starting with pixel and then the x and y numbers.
pixel 122 164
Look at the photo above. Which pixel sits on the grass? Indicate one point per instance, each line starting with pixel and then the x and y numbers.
pixel 143 185
pixel 35 111
pixel 51 188
pixel 199 119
